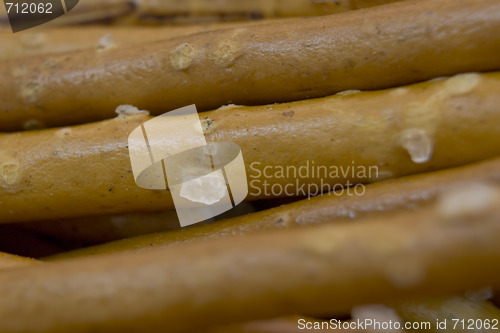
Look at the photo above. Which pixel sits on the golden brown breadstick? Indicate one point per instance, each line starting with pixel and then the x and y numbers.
pixel 85 170
pixel 380 47
pixel 56 40
pixel 9 260
pixel 405 193
pixel 62 39
pixel 447 248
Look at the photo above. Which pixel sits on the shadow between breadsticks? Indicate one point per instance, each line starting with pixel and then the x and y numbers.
pixel 106 228
pixel 92 230
pixel 15 240
pixel 380 47
pixel 85 170
pixel 403 194
pixel 448 247
pixel 135 12
pixel 261 8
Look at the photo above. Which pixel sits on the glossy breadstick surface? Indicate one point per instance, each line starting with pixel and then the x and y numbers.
pixel 376 48
pixel 85 170
pixel 452 246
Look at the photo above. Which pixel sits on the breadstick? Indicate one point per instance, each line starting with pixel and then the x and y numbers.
pixel 47 41
pixel 9 260
pixel 384 46
pixel 386 134
pixel 413 192
pixel 36 42
pixel 450 247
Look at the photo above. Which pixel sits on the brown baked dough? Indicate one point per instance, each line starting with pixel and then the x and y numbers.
pixel 397 195
pixel 85 170
pixel 380 47
pixel 446 248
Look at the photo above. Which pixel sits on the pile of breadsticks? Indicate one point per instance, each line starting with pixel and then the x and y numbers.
pixel 407 88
